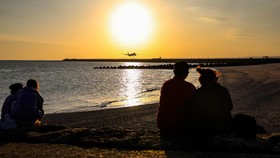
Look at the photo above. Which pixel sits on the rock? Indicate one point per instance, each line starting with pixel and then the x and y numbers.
pixel 273 140
pixel 123 138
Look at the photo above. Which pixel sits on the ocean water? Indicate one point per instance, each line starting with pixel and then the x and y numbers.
pixel 77 86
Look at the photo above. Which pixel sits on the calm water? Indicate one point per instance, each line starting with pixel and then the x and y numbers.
pixel 76 86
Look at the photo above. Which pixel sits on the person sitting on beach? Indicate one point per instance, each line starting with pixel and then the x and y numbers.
pixel 7 107
pixel 29 104
pixel 176 94
pixel 212 104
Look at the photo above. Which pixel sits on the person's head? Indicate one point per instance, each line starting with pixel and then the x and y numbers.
pixel 207 76
pixel 32 84
pixel 15 87
pixel 181 69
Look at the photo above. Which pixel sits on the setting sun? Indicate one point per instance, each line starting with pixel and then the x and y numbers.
pixel 55 30
pixel 131 24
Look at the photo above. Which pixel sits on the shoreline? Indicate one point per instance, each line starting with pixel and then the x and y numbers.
pixel 132 131
pixel 254 91
pixel 134 117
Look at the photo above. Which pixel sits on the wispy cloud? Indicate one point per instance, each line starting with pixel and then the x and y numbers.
pixel 212 19
pixel 26 39
pixel 236 34
pixel 4 37
pixel 191 8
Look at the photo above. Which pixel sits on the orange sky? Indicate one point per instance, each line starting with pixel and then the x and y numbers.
pixel 54 30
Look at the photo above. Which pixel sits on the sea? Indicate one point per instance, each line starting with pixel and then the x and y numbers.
pixel 75 86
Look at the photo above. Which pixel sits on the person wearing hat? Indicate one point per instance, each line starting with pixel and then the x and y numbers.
pixel 212 104
pixel 175 96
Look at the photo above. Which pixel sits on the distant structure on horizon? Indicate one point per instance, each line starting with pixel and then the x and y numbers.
pixel 159 58
pixel 201 61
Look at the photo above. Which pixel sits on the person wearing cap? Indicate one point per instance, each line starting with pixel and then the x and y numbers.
pixel 212 104
pixel 29 104
pixel 10 100
pixel 175 96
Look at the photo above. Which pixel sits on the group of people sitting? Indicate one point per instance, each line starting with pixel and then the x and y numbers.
pixel 185 109
pixel 24 106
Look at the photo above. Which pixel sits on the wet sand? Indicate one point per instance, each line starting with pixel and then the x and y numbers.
pixel 254 91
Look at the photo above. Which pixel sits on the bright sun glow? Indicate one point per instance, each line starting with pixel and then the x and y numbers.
pixel 131 24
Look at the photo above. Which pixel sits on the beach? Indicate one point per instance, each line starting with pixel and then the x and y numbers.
pixel 254 90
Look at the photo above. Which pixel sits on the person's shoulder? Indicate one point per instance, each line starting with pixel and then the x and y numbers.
pixel 24 90
pixel 10 97
pixel 190 84
pixel 30 90
pixel 169 81
pixel 199 90
pixel 222 87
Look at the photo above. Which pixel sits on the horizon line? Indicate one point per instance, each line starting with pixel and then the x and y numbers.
pixel 159 58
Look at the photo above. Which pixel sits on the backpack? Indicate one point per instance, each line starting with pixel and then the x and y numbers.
pixel 244 126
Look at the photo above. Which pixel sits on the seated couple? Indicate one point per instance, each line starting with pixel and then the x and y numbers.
pixel 24 105
pixel 183 108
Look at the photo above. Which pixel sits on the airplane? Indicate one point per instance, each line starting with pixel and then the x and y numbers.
pixel 130 54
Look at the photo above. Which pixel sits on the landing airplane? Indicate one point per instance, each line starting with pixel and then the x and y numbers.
pixel 130 54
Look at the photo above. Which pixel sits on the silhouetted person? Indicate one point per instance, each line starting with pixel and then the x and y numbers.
pixel 212 105
pixel 176 94
pixel 10 100
pixel 29 104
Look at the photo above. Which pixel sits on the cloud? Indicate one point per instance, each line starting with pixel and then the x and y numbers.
pixel 235 34
pixel 191 8
pixel 26 39
pixel 212 19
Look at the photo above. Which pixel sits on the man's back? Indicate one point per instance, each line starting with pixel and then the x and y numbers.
pixel 175 96
pixel 29 103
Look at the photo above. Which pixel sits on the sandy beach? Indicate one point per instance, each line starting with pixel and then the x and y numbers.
pixel 254 91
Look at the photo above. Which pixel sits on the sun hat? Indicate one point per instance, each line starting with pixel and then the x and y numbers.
pixel 210 73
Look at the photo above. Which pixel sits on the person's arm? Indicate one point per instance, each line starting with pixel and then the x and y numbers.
pixel 6 108
pixel 40 104
pixel 228 100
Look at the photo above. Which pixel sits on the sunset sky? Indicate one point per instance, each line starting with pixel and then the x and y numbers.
pixel 58 29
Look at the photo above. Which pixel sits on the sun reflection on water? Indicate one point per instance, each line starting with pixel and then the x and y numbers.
pixel 131 79
pixel 132 64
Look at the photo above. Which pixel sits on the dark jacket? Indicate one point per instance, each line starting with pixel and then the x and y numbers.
pixel 29 105
pixel 212 109
pixel 7 106
pixel 176 95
